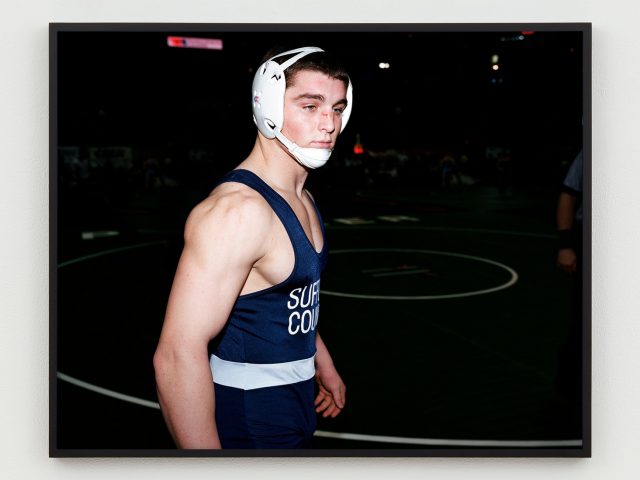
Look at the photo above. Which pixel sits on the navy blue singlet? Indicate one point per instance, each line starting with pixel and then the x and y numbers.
pixel 262 362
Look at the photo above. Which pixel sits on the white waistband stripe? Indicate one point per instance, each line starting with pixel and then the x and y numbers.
pixel 249 376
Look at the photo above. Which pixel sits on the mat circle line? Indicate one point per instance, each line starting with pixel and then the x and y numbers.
pixel 511 282
pixel 349 436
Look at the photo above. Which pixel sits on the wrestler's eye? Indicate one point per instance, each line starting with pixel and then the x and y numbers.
pixel 309 108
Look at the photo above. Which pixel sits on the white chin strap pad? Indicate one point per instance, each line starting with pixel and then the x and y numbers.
pixel 307 157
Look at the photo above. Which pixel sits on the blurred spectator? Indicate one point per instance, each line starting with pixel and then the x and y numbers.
pixel 569 223
pixel 569 218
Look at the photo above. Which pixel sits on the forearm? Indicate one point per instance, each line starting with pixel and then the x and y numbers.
pixel 187 399
pixel 323 358
pixel 567 260
pixel 565 211
pixel 331 397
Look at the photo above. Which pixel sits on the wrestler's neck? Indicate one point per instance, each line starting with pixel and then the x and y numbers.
pixel 271 161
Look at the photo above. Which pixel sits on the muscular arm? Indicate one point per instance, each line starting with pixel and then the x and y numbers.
pixel 331 397
pixel 222 242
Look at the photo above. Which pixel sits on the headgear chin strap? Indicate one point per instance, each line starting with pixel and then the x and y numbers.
pixel 269 85
pixel 308 157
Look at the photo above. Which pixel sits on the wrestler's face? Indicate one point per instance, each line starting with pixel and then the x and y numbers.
pixel 313 106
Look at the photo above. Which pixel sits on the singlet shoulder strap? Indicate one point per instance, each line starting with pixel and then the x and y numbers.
pixel 274 199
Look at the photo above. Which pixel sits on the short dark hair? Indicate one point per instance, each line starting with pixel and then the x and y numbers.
pixel 317 61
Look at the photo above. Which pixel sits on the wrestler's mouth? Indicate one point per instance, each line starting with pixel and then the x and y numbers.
pixel 321 144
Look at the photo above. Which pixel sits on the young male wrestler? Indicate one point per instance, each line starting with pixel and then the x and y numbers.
pixel 244 305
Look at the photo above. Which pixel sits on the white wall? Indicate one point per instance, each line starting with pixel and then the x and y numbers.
pixel 24 120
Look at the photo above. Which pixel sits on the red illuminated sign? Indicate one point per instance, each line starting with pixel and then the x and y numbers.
pixel 191 42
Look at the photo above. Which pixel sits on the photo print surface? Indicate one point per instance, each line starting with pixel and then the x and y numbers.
pixel 455 208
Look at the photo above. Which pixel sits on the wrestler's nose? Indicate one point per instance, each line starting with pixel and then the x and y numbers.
pixel 328 121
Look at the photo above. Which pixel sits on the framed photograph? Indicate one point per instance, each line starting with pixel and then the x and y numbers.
pixel 455 206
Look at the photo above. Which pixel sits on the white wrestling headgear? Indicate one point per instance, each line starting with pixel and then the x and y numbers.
pixel 268 88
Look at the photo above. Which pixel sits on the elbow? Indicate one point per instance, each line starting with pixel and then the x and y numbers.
pixel 158 360
pixel 171 361
pixel 161 363
pixel 164 366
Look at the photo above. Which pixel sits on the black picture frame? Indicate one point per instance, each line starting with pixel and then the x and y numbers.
pixel 81 126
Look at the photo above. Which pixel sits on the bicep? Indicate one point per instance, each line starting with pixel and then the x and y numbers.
pixel 219 252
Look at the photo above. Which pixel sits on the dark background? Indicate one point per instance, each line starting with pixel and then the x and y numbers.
pixel 440 94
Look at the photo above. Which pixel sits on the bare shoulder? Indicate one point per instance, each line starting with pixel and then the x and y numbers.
pixel 233 214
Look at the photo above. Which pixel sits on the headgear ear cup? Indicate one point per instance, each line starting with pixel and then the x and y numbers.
pixel 347 111
pixel 268 89
pixel 269 84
